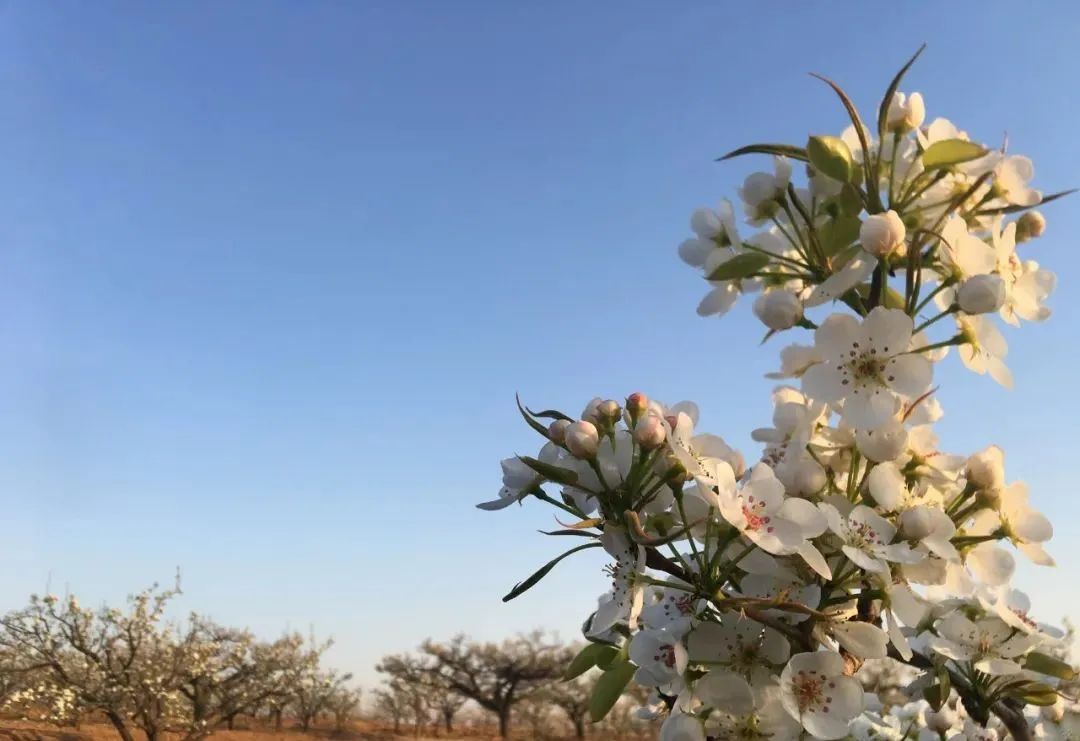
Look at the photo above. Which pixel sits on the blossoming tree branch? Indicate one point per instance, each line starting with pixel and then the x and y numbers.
pixel 747 596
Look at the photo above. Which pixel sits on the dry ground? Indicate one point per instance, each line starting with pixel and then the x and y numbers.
pixel 19 730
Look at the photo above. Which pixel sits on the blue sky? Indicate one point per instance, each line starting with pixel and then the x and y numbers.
pixel 271 273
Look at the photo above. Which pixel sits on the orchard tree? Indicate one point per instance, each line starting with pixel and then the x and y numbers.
pixel 497 676
pixel 127 665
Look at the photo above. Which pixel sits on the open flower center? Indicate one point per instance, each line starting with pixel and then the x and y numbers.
pixel 756 520
pixel 665 654
pixel 862 536
pixel 811 688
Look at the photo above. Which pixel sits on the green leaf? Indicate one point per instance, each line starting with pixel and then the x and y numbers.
pixel 592 655
pixel 528 418
pixel 949 152
pixel 850 200
pixel 838 234
pixel 781 150
pixel 938 693
pixel 1018 209
pixel 935 695
pixel 1037 693
pixel 860 127
pixel 883 111
pixel 893 300
pixel 609 689
pixel 549 414
pixel 578 533
pixel 522 587
pixel 830 156
pixel 740 266
pixel 1049 665
pixel 563 476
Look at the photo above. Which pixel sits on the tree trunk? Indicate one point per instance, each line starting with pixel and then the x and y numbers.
pixel 277 712
pixel 579 727
pixel 397 725
pixel 230 722
pixel 504 722
pixel 119 725
pixel 448 721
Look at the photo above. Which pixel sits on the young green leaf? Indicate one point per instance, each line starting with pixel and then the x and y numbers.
pixel 1018 209
pixel 860 127
pixel 1049 665
pixel 839 233
pixel 592 655
pixel 609 689
pixel 528 418
pixel 780 150
pixel 949 152
pixel 830 156
pixel 522 587
pixel 740 266
pixel 563 476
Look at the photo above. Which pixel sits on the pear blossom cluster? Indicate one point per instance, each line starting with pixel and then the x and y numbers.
pixel 747 594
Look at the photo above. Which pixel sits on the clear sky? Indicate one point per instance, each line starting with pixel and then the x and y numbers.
pixel 271 273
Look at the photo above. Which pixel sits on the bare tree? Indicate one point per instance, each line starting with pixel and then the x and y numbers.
pixel 392 704
pixel 497 676
pixel 343 703
pixel 572 698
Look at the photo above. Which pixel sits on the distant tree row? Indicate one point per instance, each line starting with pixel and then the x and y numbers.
pixel 62 662
pixel 518 682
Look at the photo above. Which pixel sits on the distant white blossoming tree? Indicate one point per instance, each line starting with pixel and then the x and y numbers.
pixel 746 597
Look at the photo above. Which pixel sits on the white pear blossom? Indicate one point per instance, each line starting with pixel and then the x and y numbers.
pixel 815 691
pixel 867 366
pixel 990 643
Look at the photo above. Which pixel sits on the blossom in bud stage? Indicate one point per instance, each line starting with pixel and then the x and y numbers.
pixel 650 432
pixel 881 234
pixel 905 112
pixel 706 223
pixel 981 294
pixel 1029 226
pixel 940 721
pixel 682 727
pixel 557 431
pixel 608 411
pixel 778 310
pixel 582 439
pixel 986 469
pixel 591 412
pixel 886 443
pixel 761 190
pixel 637 404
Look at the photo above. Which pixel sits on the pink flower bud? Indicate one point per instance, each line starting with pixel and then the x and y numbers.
pixel 557 431
pixel 582 439
pixel 636 403
pixel 649 432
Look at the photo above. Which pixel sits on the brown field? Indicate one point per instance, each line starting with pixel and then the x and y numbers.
pixel 24 730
